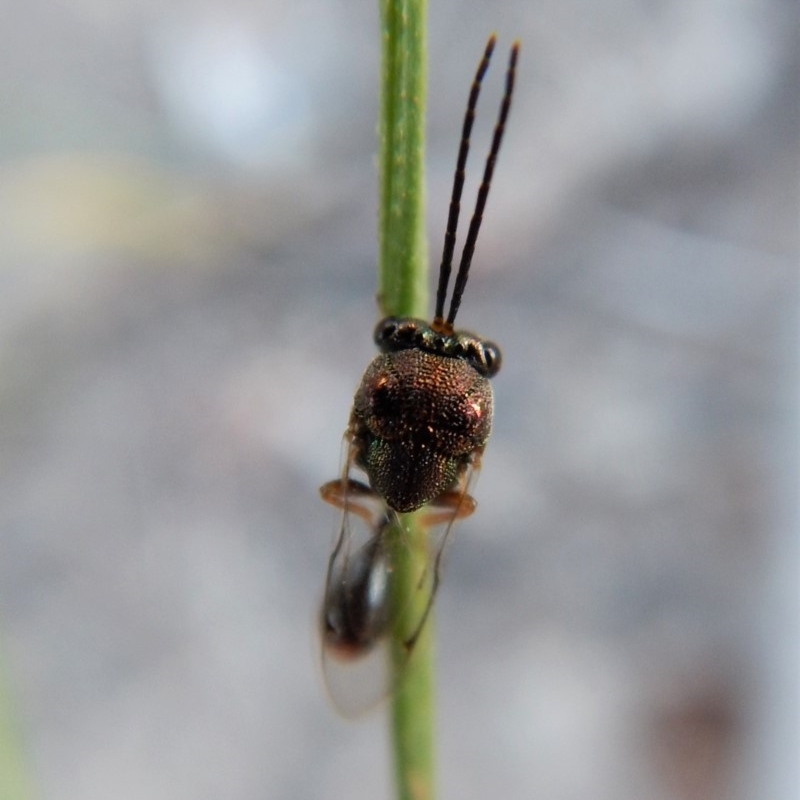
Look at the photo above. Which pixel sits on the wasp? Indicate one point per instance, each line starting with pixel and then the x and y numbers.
pixel 420 421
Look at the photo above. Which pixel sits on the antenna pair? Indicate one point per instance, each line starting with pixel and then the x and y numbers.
pixel 439 324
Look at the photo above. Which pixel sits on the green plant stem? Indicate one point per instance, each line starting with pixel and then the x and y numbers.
pixel 403 258
pixel 403 282
pixel 413 700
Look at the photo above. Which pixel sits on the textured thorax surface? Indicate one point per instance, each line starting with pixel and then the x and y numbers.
pixel 417 418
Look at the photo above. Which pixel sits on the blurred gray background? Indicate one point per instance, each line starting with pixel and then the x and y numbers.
pixel 187 234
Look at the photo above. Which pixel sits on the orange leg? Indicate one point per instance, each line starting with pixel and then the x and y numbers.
pixel 354 497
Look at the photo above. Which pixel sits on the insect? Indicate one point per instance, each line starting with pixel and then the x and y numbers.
pixel 420 421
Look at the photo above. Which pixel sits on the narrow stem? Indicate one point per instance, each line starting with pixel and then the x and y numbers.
pixel 403 258
pixel 413 700
pixel 403 282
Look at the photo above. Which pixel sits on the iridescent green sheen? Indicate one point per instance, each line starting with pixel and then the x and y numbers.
pixel 402 333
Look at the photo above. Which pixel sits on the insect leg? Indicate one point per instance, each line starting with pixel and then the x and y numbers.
pixel 351 495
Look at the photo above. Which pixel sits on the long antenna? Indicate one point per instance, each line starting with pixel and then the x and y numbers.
pixel 458 184
pixel 483 191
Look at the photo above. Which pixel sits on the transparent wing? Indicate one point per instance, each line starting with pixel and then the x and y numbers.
pixel 358 608
pixel 439 519
pixel 356 619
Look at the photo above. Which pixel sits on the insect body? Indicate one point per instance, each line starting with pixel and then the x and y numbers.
pixel 420 421
pixel 423 411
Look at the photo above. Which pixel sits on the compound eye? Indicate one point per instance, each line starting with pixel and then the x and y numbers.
pixel 385 332
pixel 492 358
pixel 398 333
